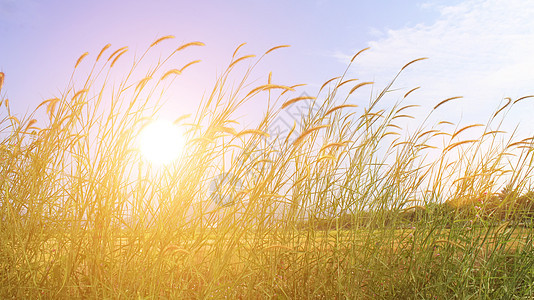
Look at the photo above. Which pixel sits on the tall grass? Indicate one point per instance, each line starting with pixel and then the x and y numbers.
pixel 345 204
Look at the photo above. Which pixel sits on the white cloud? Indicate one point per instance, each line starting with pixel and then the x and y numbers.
pixel 482 50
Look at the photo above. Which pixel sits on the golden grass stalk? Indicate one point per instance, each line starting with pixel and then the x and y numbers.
pixel 240 59
pixel 346 81
pixel 379 114
pixel 327 82
pixel 161 39
pixel 293 87
pixel 116 51
pixel 493 132
pixel 333 109
pixel 231 131
pixel 251 131
pixel 142 83
pixel 326 156
pixel 334 145
pixel 447 100
pixel 522 98
pixel 452 146
pixel 302 178
pixel 170 72
pixel 14 119
pixel 413 61
pixel 520 143
pixel 188 65
pixel 426 146
pixel 275 48
pixel 181 118
pixel 509 100
pixel 441 133
pixel 464 129
pixel 301 138
pixel 295 100
pixel 79 93
pixel 30 123
pixel 102 51
pixel 399 143
pixel 118 56
pixel 403 116
pixel 359 52
pixel 237 49
pixel 410 91
pixel 80 59
pixel 44 103
pixel 189 45
pixel 359 86
pixel 394 126
pixel 202 139
pixel 266 87
pixel 422 134
pixel 445 122
pixel 1 80
pixel 407 107
pixel 290 132
pixel 51 105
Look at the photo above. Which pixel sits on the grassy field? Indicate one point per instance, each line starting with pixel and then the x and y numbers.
pixel 344 204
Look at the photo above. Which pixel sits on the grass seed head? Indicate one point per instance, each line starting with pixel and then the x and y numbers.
pixel 359 86
pixel 80 59
pixel 189 45
pixel 102 51
pixel 295 100
pixel 188 65
pixel 410 91
pixel 161 39
pixel 303 136
pixel 447 100
pixel 413 61
pixel 116 51
pixel 359 52
pixel 327 82
pixel 275 48
pixel 171 72
pixel 118 56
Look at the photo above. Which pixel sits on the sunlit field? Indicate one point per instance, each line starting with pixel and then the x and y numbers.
pixel 102 198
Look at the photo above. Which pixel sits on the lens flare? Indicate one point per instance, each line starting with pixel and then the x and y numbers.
pixel 161 142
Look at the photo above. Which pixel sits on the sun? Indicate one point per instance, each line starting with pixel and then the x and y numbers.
pixel 161 142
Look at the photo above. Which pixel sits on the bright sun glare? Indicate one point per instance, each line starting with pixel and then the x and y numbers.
pixel 161 142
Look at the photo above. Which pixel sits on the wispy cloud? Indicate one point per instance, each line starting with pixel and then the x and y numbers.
pixel 480 49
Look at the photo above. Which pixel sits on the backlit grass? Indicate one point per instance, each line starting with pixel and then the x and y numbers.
pixel 346 203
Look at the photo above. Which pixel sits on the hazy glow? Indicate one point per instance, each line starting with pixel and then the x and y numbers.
pixel 161 142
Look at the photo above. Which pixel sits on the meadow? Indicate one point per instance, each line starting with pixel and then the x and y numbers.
pixel 346 203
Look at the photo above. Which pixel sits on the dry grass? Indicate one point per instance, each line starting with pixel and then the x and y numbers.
pixel 319 216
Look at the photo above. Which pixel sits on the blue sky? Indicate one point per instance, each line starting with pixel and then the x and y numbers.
pixel 480 49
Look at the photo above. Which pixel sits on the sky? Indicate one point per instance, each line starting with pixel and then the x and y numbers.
pixel 478 49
